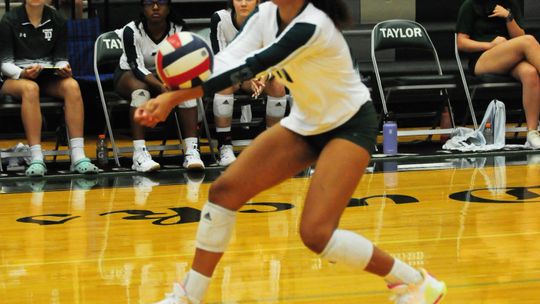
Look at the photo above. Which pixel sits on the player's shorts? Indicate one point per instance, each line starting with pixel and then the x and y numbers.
pixel 362 129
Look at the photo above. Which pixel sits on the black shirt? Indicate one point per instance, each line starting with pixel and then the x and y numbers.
pixel 22 44
pixel 473 19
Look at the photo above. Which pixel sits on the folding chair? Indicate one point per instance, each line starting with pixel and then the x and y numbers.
pixel 473 83
pixel 107 52
pixel 410 36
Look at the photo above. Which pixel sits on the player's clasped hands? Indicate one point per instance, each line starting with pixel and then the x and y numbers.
pixel 153 111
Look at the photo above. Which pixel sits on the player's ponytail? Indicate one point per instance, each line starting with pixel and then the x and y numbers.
pixel 336 10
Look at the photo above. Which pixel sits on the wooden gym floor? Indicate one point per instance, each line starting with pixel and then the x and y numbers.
pixel 124 238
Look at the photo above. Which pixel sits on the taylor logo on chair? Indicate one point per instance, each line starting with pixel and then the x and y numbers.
pixel 401 32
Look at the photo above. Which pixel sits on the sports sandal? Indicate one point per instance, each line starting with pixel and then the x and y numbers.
pixel 36 168
pixel 84 166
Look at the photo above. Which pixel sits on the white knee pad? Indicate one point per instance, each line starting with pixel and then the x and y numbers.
pixel 192 103
pixel 215 228
pixel 349 248
pixel 275 106
pixel 223 105
pixel 139 97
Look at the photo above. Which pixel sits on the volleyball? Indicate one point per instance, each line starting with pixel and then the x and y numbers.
pixel 184 60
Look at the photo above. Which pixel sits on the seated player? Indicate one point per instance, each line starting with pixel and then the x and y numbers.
pixel 136 79
pixel 34 62
pixel 225 25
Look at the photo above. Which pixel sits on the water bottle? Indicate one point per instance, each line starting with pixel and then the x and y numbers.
pixel 488 133
pixel 102 152
pixel 390 137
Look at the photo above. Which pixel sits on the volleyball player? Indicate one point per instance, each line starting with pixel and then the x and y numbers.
pixel 225 25
pixel 135 79
pixel 34 61
pixel 332 123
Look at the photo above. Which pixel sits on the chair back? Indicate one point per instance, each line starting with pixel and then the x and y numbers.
pixel 81 36
pixel 397 33
pixel 107 50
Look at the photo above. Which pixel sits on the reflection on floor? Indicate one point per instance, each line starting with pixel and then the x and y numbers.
pixel 122 237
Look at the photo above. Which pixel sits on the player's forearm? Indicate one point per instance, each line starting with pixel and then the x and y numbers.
pixel 177 97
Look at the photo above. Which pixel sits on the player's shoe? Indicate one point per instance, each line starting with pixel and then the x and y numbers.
pixel 226 155
pixel 143 162
pixel 428 291
pixel 533 139
pixel 177 296
pixel 192 160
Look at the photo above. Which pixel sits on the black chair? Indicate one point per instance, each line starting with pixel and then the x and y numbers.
pixel 411 38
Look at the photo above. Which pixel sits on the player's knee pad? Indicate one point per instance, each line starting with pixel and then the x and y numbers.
pixel 215 228
pixel 139 97
pixel 276 106
pixel 349 248
pixel 192 103
pixel 223 105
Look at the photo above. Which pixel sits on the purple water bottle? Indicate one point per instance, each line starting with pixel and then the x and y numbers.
pixel 390 138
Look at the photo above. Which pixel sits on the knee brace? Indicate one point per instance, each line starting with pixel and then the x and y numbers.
pixel 139 97
pixel 192 103
pixel 349 248
pixel 215 228
pixel 275 106
pixel 223 105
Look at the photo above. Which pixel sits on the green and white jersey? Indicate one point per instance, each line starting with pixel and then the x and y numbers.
pixel 310 56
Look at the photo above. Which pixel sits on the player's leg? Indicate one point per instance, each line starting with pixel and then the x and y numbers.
pixel 68 89
pixel 223 111
pixel 189 123
pixel 28 92
pixel 276 102
pixel 340 166
pixel 505 56
pixel 530 80
pixel 284 154
pixel 131 88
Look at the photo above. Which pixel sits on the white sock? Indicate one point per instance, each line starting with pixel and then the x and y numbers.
pixel 138 146
pixel 196 285
pixel 77 149
pixel 36 153
pixel 403 273
pixel 190 143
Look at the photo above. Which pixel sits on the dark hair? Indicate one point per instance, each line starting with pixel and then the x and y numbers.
pixel 171 17
pixel 336 10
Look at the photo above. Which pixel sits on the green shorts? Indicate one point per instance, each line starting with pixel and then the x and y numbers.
pixel 362 129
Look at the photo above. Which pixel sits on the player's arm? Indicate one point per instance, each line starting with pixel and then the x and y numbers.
pixel 7 43
pixel 294 43
pixel 214 32
pixel 136 61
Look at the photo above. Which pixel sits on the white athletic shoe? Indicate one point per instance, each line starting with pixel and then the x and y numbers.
pixel 428 291
pixel 226 155
pixel 177 296
pixel 192 160
pixel 533 139
pixel 142 162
